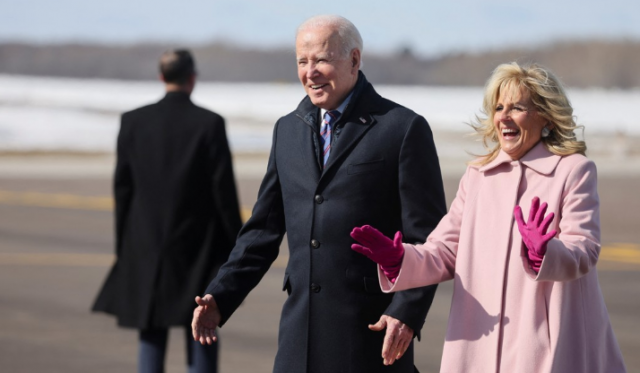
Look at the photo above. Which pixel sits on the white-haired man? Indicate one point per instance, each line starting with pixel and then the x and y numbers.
pixel 345 157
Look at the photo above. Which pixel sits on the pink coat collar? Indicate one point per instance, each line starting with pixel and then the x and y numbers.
pixel 538 159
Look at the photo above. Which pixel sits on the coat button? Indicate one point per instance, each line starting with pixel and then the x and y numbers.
pixel 315 244
pixel 319 199
pixel 315 288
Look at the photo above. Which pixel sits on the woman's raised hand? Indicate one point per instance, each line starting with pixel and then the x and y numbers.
pixel 379 248
pixel 534 231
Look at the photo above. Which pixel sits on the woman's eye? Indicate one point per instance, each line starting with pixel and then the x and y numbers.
pixel 499 108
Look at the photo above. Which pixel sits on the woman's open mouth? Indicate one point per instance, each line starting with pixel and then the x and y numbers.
pixel 510 133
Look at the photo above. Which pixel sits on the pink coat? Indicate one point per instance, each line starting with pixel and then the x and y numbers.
pixel 504 317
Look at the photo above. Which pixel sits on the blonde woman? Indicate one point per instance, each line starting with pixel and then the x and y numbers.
pixel 526 293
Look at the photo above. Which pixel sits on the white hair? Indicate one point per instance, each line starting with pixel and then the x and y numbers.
pixel 350 38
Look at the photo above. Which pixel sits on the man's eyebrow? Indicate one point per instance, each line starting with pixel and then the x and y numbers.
pixel 324 56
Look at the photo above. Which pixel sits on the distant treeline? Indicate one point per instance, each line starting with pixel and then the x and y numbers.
pixel 607 64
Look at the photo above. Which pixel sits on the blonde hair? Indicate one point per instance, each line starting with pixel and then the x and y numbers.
pixel 548 97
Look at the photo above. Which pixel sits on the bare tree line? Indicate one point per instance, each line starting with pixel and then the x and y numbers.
pixel 595 63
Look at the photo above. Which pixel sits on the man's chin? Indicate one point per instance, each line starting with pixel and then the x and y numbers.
pixel 321 101
pixel 318 101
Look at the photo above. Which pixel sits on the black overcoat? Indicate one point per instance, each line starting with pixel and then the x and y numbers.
pixel 383 170
pixel 177 213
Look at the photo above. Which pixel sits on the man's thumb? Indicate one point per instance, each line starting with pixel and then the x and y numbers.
pixel 380 325
pixel 203 301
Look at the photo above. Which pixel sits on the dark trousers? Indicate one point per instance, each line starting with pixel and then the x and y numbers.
pixel 153 347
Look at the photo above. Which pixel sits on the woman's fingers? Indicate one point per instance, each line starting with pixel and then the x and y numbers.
pixel 535 204
pixel 540 214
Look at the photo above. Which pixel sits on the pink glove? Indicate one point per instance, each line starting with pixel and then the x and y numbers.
pixel 377 247
pixel 533 232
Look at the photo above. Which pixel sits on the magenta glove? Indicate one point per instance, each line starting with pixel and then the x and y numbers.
pixel 534 231
pixel 379 248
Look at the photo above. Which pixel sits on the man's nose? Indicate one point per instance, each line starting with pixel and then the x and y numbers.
pixel 311 70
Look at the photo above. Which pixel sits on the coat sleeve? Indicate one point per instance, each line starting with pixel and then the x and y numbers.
pixel 435 260
pixel 257 245
pixel 123 187
pixel 224 190
pixel 575 250
pixel 422 205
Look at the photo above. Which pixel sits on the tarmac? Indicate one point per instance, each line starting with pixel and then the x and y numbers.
pixel 56 246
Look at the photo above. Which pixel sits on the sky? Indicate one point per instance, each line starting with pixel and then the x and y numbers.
pixel 428 27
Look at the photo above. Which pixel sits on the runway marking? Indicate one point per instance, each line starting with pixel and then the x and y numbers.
pixel 78 260
pixel 619 253
pixel 70 201
pixel 616 257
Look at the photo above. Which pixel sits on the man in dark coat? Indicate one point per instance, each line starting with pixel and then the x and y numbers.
pixel 381 168
pixel 176 215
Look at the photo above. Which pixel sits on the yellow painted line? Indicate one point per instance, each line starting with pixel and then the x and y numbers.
pixel 77 260
pixel 618 253
pixel 245 213
pixel 624 253
pixel 70 201
pixel 621 252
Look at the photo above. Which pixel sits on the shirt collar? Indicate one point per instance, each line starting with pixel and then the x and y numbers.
pixel 340 108
pixel 539 159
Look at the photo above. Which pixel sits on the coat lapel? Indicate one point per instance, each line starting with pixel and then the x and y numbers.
pixel 541 160
pixel 538 159
pixel 310 145
pixel 352 125
pixel 350 133
pixel 355 121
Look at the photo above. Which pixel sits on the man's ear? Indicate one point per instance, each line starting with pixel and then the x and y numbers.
pixel 355 58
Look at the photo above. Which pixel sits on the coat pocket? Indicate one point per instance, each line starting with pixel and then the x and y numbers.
pixel 365 167
pixel 372 286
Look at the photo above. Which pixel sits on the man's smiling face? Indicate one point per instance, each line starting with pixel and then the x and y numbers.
pixel 325 73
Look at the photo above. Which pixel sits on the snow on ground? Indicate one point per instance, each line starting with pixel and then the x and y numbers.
pixel 44 113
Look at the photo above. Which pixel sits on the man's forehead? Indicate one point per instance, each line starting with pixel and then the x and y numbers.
pixel 316 50
pixel 317 35
pixel 317 42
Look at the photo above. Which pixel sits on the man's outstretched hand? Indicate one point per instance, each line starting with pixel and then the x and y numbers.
pixel 206 318
pixel 397 338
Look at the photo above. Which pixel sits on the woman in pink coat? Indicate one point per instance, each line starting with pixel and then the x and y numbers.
pixel 526 294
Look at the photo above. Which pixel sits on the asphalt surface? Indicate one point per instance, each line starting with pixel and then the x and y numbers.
pixel 56 245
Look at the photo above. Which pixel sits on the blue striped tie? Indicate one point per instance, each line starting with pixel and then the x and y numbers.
pixel 325 133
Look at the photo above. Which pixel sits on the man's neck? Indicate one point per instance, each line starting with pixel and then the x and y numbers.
pixel 169 87
pixel 343 104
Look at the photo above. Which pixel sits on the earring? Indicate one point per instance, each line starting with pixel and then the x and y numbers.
pixel 545 132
